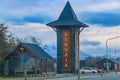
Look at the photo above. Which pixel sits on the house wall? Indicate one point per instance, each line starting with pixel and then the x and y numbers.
pixel 2 67
pixel 15 66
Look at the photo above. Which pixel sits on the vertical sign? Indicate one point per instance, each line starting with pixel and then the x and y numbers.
pixel 65 49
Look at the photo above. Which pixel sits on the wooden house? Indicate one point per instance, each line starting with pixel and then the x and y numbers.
pixel 29 57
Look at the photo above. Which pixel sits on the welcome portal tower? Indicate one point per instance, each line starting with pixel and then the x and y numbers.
pixel 68 29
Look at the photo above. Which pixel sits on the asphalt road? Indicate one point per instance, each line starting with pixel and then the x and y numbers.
pixel 110 76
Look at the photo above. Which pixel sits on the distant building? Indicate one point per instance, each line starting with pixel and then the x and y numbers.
pixel 103 63
pixel 90 62
pixel 29 57
pixel 118 60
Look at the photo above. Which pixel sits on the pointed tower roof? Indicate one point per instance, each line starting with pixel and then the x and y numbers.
pixel 67 13
pixel 67 17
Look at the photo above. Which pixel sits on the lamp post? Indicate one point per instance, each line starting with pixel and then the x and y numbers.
pixel 107 64
pixel 80 30
pixel 22 50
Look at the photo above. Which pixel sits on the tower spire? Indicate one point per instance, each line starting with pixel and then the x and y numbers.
pixel 67 17
pixel 67 13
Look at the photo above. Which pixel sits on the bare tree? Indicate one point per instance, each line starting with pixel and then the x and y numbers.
pixel 36 41
pixel 3 42
pixel 7 41
pixel 33 40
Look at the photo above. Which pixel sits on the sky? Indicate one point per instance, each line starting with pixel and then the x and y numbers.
pixel 26 18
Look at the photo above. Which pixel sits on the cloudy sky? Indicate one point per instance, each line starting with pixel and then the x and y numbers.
pixel 26 18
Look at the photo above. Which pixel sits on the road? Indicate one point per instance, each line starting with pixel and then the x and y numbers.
pixel 110 76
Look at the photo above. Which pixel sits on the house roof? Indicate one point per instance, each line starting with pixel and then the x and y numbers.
pixel 67 17
pixel 34 49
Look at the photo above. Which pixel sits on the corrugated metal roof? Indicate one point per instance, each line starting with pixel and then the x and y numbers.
pixel 36 50
pixel 67 17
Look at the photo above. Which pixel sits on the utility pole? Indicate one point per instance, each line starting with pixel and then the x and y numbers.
pixel 107 62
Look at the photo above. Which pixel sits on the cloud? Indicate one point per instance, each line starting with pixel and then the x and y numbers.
pixel 36 18
pixel 17 4
pixel 94 51
pixel 38 11
pixel 37 30
pixel 100 33
pixel 101 18
pixel 28 18
pixel 103 5
pixel 20 20
pixel 89 43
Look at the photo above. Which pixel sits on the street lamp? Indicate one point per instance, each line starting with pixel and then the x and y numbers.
pixel 22 51
pixel 107 64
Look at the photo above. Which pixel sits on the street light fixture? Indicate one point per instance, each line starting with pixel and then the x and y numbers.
pixel 107 64
pixel 25 76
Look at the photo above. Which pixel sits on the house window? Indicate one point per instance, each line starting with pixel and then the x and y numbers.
pixel 105 65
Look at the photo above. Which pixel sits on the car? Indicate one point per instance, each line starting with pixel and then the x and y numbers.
pixel 88 70
pixel 99 70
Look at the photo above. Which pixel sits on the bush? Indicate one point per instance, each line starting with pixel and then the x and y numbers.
pixel 107 71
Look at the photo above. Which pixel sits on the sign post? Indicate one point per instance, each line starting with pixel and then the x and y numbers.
pixel 116 68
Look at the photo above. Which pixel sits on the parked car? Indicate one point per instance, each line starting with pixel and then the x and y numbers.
pixel 88 70
pixel 99 70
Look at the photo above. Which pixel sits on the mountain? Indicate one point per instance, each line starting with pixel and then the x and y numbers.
pixel 84 55
pixel 51 49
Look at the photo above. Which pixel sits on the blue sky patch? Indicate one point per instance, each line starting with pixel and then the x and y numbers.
pixel 89 43
pixel 101 18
